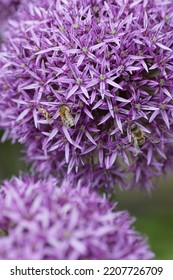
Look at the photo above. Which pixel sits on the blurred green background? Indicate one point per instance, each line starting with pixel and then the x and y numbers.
pixel 154 213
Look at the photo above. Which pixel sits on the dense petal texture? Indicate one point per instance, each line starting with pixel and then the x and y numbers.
pixel 39 220
pixel 108 65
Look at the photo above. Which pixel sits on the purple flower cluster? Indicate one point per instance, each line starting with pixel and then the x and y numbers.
pixel 109 63
pixel 39 220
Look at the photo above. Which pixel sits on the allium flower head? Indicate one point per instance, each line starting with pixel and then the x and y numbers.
pixel 48 222
pixel 109 63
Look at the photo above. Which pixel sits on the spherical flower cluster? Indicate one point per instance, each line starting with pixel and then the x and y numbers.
pixel 87 85
pixel 39 220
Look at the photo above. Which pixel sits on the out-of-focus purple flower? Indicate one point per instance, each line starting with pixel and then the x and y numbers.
pixel 39 220
pixel 109 63
pixel 7 8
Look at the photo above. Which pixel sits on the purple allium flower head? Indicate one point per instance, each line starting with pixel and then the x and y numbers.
pixel 39 220
pixel 108 66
